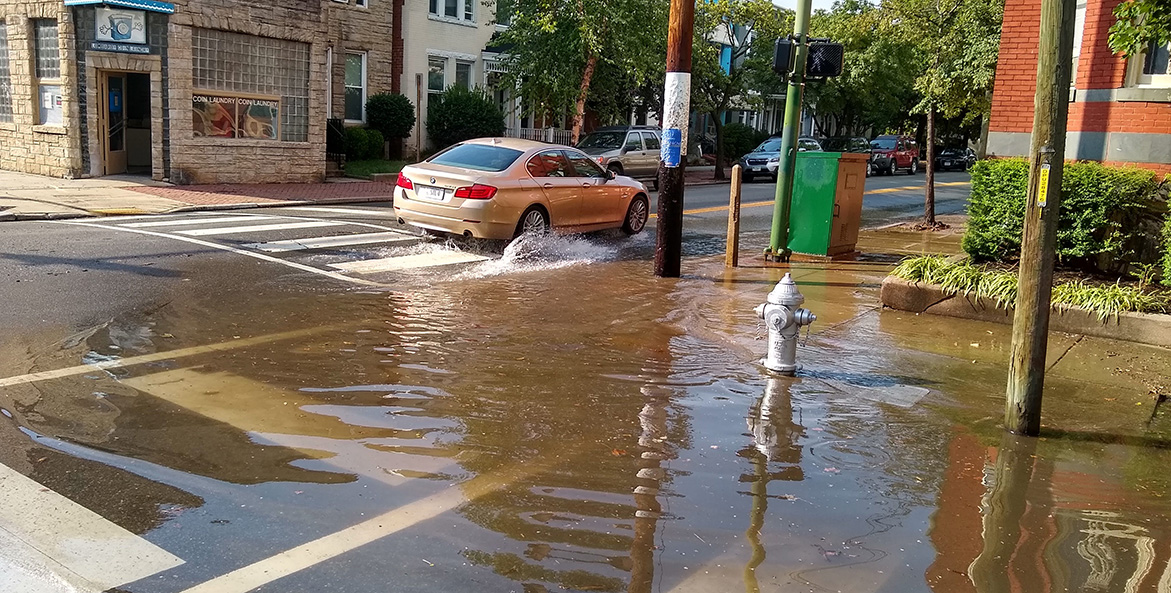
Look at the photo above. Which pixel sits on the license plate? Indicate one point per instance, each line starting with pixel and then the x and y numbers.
pixel 946 163
pixel 430 193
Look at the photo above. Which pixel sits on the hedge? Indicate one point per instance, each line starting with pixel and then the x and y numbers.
pixel 363 144
pixel 740 139
pixel 1166 250
pixel 391 114
pixel 459 114
pixel 1105 221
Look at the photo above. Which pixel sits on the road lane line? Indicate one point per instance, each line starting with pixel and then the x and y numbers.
pixel 230 249
pixel 72 539
pixel 407 262
pixel 259 228
pixel 157 356
pixel 326 242
pixel 770 202
pixel 193 220
pixel 355 211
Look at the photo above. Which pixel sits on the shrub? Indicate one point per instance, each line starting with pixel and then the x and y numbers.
pixel 740 138
pixel 363 144
pixel 1166 260
pixel 1101 208
pixel 459 114
pixel 393 115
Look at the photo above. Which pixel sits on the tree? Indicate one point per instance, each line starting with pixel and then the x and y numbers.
pixel 555 48
pixel 876 88
pixel 725 33
pixel 961 40
pixel 1140 24
pixel 394 116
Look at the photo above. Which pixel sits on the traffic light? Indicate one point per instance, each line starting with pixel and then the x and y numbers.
pixel 825 59
pixel 783 57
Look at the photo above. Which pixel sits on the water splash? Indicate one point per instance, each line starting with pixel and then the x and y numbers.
pixel 538 252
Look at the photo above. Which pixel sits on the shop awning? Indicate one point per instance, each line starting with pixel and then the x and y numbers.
pixel 150 5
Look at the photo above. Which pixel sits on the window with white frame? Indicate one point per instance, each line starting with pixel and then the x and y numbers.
pixel 463 74
pixel 361 3
pixel 436 75
pixel 355 87
pixel 48 70
pixel 5 78
pixel 1154 66
pixel 463 10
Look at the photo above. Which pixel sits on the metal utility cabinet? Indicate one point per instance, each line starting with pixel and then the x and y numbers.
pixel 827 203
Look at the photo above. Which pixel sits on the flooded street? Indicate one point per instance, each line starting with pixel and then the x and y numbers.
pixel 555 419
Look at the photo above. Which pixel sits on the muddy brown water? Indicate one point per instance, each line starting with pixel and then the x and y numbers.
pixel 566 422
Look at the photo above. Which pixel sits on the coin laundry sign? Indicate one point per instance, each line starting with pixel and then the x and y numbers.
pixel 119 30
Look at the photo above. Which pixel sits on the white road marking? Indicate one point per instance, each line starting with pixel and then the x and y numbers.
pixel 157 356
pixel 210 245
pixel 325 242
pixel 406 262
pixel 355 211
pixel 186 221
pixel 65 540
pixel 260 228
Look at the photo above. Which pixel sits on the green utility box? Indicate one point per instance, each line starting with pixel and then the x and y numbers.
pixel 827 203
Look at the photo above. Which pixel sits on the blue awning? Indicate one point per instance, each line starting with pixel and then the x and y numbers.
pixel 150 5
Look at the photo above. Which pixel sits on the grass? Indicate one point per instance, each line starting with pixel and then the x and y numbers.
pixel 964 278
pixel 364 169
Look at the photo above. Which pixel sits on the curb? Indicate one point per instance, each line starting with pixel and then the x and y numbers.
pixel 1142 328
pixel 16 217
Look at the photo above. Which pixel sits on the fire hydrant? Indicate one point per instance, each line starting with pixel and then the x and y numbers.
pixel 784 318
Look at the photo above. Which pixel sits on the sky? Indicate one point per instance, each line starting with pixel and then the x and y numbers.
pixel 817 4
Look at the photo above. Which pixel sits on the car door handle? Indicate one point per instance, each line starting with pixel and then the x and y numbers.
pixel 587 185
pixel 548 186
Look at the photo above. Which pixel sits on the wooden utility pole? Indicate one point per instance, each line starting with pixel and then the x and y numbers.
pixel 1030 326
pixel 732 250
pixel 676 118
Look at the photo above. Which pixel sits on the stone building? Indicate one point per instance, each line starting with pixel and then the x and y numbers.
pixel 199 91
pixel 1120 109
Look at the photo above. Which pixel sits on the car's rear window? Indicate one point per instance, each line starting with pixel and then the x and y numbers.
pixel 481 157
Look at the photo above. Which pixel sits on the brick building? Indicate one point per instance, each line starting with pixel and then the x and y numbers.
pixel 1120 109
pixel 199 91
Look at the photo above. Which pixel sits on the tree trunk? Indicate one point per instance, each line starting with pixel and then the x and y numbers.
pixel 929 201
pixel 982 143
pixel 579 111
pixel 719 122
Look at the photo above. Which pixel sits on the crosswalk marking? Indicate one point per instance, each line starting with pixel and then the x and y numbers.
pixel 186 221
pixel 59 545
pixel 406 262
pixel 356 211
pixel 259 228
pixel 326 242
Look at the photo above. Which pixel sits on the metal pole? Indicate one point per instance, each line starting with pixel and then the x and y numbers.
pixel 1030 325
pixel 418 117
pixel 677 108
pixel 778 249
pixel 732 251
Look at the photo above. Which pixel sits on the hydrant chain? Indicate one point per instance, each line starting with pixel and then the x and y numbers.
pixel 784 318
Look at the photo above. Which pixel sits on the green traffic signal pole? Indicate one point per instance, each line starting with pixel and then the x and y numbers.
pixel 778 249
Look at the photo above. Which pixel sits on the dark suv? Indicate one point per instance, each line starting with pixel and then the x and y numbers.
pixel 851 144
pixel 891 153
pixel 626 150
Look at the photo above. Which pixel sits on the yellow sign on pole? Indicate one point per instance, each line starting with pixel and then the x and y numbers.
pixel 1043 186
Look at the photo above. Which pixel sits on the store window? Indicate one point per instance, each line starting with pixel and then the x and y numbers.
pixel 454 9
pixel 356 87
pixel 248 86
pixel 1155 68
pixel 436 75
pixel 463 74
pixel 5 77
pixel 47 57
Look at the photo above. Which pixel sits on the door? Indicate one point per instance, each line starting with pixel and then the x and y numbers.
pixel 632 156
pixel 651 141
pixel 113 113
pixel 552 172
pixel 601 199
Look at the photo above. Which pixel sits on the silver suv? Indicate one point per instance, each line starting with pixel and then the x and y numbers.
pixel 626 150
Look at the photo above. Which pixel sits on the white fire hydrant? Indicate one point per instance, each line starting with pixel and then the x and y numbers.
pixel 784 318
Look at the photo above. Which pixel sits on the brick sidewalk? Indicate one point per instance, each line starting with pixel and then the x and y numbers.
pixel 218 195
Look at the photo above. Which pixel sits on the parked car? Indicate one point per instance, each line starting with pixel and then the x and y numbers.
pixel 498 188
pixel 626 150
pixel 954 159
pixel 766 158
pixel 892 153
pixel 851 144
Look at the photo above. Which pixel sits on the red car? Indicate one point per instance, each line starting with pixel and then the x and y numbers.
pixel 889 154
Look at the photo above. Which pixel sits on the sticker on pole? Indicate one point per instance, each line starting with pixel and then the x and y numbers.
pixel 1043 186
pixel 672 149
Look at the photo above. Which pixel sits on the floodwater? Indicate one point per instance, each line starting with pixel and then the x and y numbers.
pixel 558 420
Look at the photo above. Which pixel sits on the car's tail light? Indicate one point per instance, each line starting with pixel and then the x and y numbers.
pixel 404 183
pixel 475 192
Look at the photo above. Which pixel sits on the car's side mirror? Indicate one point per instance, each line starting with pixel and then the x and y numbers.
pixel 610 174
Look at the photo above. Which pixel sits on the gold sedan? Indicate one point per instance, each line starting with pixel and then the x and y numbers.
pixel 499 188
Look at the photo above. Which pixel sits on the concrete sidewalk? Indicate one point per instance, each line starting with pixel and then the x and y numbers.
pixel 33 197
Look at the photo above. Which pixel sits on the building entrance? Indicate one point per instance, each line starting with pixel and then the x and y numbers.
pixel 125 122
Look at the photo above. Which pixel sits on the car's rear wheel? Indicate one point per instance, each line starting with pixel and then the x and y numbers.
pixel 533 221
pixel 636 215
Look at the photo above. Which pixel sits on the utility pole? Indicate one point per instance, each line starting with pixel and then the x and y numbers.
pixel 778 249
pixel 1030 325
pixel 677 116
